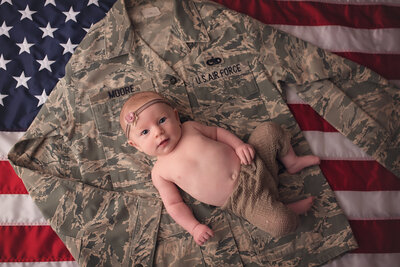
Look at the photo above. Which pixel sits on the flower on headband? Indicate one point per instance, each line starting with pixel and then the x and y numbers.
pixel 130 117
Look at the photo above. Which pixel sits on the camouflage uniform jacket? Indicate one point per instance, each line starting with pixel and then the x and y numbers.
pixel 221 68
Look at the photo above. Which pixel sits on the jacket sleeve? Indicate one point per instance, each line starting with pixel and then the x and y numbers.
pixel 81 212
pixel 359 103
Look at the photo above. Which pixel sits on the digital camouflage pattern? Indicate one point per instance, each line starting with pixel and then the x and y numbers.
pixel 221 68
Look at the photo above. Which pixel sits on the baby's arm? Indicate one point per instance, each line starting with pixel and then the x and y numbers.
pixel 179 211
pixel 244 151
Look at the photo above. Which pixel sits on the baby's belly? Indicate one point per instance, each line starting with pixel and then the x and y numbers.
pixel 216 178
pixel 217 192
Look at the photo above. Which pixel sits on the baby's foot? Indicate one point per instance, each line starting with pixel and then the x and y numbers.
pixel 301 206
pixel 302 162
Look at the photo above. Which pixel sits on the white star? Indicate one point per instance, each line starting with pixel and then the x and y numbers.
pixel 45 63
pixel 48 2
pixel 95 2
pixel 24 46
pixel 71 15
pixel 42 98
pixel 68 47
pixel 48 31
pixel 6 1
pixel 27 13
pixel 22 80
pixel 3 62
pixel 5 29
pixel 1 99
pixel 87 29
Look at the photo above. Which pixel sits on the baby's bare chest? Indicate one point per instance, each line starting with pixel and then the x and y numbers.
pixel 199 160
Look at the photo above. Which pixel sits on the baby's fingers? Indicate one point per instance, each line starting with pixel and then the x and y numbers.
pixel 242 157
pixel 202 239
pixel 210 233
pixel 252 152
pixel 248 155
pixel 199 242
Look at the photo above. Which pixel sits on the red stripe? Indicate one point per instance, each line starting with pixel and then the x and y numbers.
pixel 358 176
pixel 386 65
pixel 308 119
pixel 318 14
pixel 31 244
pixel 10 183
pixel 40 243
pixel 376 236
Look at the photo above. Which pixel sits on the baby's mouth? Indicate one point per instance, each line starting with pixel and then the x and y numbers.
pixel 163 142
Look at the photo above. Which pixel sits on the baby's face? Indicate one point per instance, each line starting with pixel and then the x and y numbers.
pixel 157 131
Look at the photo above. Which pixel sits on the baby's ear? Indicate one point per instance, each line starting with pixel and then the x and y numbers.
pixel 131 143
pixel 177 115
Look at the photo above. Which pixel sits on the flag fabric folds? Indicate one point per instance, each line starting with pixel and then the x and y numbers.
pixel 37 38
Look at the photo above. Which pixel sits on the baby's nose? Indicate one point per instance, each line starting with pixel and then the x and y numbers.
pixel 159 131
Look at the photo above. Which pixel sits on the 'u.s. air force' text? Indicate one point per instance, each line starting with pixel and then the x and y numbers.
pixel 218 74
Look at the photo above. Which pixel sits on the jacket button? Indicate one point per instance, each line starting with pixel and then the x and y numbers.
pixel 173 80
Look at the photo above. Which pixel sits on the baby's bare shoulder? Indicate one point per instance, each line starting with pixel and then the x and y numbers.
pixel 156 171
pixel 160 170
pixel 191 124
pixel 157 178
pixel 199 128
pixel 194 126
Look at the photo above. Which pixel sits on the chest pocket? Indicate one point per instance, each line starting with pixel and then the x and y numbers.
pixel 129 169
pixel 228 95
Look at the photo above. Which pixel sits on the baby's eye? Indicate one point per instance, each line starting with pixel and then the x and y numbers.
pixel 144 132
pixel 162 120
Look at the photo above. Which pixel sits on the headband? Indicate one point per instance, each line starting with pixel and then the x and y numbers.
pixel 132 116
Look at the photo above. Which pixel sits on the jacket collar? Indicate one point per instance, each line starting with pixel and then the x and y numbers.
pixel 119 33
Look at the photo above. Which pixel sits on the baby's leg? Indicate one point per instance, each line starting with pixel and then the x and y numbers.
pixel 294 163
pixel 301 206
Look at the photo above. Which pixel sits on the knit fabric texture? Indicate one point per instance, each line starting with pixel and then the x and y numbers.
pixel 255 197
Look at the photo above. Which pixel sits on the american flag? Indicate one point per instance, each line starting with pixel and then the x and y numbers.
pixel 37 37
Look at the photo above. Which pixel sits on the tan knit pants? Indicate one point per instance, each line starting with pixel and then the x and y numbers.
pixel 256 195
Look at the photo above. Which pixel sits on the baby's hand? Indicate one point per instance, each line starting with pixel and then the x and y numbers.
pixel 245 152
pixel 201 233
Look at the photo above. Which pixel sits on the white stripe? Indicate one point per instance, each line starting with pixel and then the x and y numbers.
pixel 292 96
pixel 7 140
pixel 354 2
pixel 369 205
pixel 334 146
pixel 367 260
pixel 345 39
pixel 19 210
pixel 40 264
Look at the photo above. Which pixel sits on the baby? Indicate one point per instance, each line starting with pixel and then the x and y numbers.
pixel 214 166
